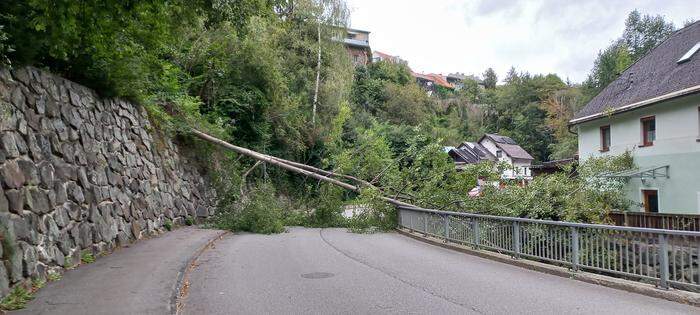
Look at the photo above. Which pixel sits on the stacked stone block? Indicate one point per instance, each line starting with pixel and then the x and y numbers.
pixel 78 173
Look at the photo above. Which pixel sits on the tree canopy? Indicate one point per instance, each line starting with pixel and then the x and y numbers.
pixel 246 71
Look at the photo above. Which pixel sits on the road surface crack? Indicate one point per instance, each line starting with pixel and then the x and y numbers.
pixel 396 277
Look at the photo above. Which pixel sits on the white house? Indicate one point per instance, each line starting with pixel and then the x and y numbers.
pixel 496 148
pixel 652 110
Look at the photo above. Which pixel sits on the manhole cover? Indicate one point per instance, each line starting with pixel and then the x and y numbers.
pixel 317 275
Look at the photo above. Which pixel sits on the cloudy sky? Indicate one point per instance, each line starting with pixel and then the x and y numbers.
pixel 538 36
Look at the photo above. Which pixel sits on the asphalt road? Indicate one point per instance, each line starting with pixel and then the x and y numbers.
pixel 331 271
pixel 139 279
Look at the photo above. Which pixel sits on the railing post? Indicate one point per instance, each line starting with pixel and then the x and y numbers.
pixel 399 217
pixel 663 261
pixel 447 228
pixel 516 239
pixel 476 233
pixel 425 224
pixel 574 249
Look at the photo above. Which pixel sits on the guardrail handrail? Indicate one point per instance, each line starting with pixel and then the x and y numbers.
pixel 559 223
pixel 665 257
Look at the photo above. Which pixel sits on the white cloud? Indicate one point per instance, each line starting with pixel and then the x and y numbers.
pixel 538 36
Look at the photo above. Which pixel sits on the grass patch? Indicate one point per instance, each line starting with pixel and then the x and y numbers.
pixel 19 296
pixel 168 225
pixel 54 276
pixel 87 257
pixel 38 284
pixel 69 263
pixel 17 299
pixel 189 221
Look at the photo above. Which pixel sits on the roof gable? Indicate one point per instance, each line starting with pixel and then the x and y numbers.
pixel 440 80
pixel 470 152
pixel 656 74
pixel 507 145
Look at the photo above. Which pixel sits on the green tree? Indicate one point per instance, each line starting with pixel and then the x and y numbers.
pixel 514 110
pixel 560 107
pixel 112 46
pixel 471 89
pixel 608 66
pixel 641 34
pixel 405 104
pixel 5 47
pixel 490 78
pixel 383 82
pixel 644 32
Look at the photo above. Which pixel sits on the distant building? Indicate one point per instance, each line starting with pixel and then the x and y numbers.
pixel 551 167
pixel 378 56
pixel 495 148
pixel 431 81
pixel 653 111
pixel 357 43
pixel 457 80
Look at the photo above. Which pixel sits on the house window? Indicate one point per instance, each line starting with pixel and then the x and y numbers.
pixel 651 200
pixel 604 138
pixel 648 131
pixel 499 154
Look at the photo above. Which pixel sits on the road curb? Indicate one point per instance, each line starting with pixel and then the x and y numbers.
pixel 684 297
pixel 180 291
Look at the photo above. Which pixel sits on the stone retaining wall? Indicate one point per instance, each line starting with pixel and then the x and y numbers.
pixel 79 173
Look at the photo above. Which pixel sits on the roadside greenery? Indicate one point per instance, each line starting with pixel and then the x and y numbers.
pixel 17 299
pixel 260 212
pixel 87 257
pixel 246 71
pixel 425 176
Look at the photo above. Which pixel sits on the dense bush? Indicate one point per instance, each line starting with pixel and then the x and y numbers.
pixel 425 176
pixel 260 212
pixel 376 214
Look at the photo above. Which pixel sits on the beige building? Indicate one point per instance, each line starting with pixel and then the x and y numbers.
pixel 357 43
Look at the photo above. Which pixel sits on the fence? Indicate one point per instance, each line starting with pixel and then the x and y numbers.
pixel 684 222
pixel 663 257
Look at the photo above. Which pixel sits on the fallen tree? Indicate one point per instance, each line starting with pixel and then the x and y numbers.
pixel 299 168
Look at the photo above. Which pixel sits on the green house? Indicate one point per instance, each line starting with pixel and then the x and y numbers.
pixel 652 110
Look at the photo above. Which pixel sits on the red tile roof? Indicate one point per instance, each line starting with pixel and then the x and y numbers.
pixel 440 80
pixel 422 76
pixel 435 78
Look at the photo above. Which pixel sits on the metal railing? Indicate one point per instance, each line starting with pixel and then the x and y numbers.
pixel 667 221
pixel 666 258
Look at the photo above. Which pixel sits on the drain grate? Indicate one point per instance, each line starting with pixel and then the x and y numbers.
pixel 317 275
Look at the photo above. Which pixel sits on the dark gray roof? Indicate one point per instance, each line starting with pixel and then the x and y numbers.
pixel 470 152
pixel 653 75
pixel 509 146
pixel 515 151
pixel 498 138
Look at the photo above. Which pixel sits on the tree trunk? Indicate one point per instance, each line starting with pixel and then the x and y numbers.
pixel 284 165
pixel 318 73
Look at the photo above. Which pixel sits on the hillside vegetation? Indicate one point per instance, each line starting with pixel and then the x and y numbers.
pixel 246 71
